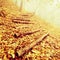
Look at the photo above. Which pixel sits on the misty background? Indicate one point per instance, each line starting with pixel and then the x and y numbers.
pixel 49 10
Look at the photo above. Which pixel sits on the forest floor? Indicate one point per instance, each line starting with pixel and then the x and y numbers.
pixel 25 36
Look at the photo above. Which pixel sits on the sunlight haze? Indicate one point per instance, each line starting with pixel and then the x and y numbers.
pixel 49 10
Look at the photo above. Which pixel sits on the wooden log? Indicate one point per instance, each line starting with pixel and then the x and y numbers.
pixel 27 48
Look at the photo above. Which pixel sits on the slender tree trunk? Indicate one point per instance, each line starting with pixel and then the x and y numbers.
pixel 15 2
pixel 21 6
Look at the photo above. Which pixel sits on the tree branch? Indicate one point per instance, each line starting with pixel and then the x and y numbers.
pixel 27 48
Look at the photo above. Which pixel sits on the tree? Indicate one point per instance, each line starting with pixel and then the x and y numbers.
pixel 21 4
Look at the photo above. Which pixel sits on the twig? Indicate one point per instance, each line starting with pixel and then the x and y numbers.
pixel 21 21
pixel 27 48
pixel 2 13
pixel 18 18
pixel 28 15
pixel 17 35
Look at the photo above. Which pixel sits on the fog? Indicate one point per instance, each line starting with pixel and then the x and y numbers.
pixel 49 10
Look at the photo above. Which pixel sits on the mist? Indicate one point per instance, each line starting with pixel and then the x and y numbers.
pixel 49 10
